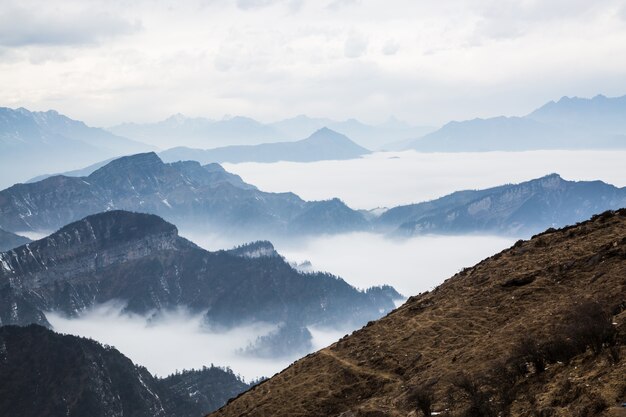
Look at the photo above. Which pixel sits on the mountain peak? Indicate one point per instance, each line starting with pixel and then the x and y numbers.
pixel 141 162
pixel 326 133
pixel 118 225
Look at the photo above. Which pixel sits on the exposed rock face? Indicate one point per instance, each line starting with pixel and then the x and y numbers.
pixel 517 209
pixel 185 193
pixel 44 373
pixel 538 329
pixel 141 260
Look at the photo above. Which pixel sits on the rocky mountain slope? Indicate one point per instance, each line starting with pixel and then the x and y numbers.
pixel 513 209
pixel 536 330
pixel 322 145
pixel 185 193
pixel 140 260
pixel 43 373
pixel 10 240
pixel 570 123
pixel 34 143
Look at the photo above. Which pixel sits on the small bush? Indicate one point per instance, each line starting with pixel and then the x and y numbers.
pixel 589 326
pixel 478 399
pixel 422 397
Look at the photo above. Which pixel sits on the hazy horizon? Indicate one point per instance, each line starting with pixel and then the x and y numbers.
pixel 426 63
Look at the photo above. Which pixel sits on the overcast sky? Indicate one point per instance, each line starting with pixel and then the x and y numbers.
pixel 427 62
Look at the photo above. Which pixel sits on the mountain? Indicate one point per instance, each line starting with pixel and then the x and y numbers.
pixel 513 209
pixel 199 132
pixel 186 193
pixel 322 145
pixel 43 373
pixel 33 143
pixel 600 114
pixel 570 123
pixel 140 259
pixel 81 172
pixel 202 133
pixel 536 330
pixel 10 240
pixel 370 136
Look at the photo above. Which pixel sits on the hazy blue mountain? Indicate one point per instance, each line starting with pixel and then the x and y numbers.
pixel 141 260
pixel 322 145
pixel 10 240
pixel 515 209
pixel 43 373
pixel 570 123
pixel 600 114
pixel 81 172
pixel 33 143
pixel 373 137
pixel 186 193
pixel 203 133
pixel 199 132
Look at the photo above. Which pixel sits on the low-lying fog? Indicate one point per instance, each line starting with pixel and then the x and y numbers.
pixel 387 179
pixel 177 340
pixel 411 265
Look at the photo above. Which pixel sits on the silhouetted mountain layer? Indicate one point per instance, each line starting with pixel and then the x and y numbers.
pixel 570 123
pixel 185 193
pixel 10 240
pixel 324 144
pixel 33 143
pixel 536 330
pixel 43 373
pixel 517 209
pixel 140 259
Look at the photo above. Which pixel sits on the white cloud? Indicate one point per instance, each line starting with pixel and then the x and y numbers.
pixel 20 26
pixel 355 46
pixel 391 47
pixel 272 59
pixel 388 179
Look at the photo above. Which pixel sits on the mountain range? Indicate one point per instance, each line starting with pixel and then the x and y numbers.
pixel 208 198
pixel 324 144
pixel 536 330
pixel 10 240
pixel 33 143
pixel 186 193
pixel 570 123
pixel 139 259
pixel 512 209
pixel 203 133
pixel 43 373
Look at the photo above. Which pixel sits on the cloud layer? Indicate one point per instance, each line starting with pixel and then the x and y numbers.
pixel 388 179
pixel 426 62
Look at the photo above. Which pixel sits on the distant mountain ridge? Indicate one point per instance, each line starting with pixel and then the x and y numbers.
pixel 570 123
pixel 185 193
pixel 140 259
pixel 37 142
pixel 324 144
pixel 10 240
pixel 203 133
pixel 45 373
pixel 513 209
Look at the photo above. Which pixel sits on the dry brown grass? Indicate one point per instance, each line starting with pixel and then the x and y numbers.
pixel 467 325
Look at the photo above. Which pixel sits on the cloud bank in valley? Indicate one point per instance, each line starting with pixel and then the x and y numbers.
pixel 177 340
pixel 387 179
